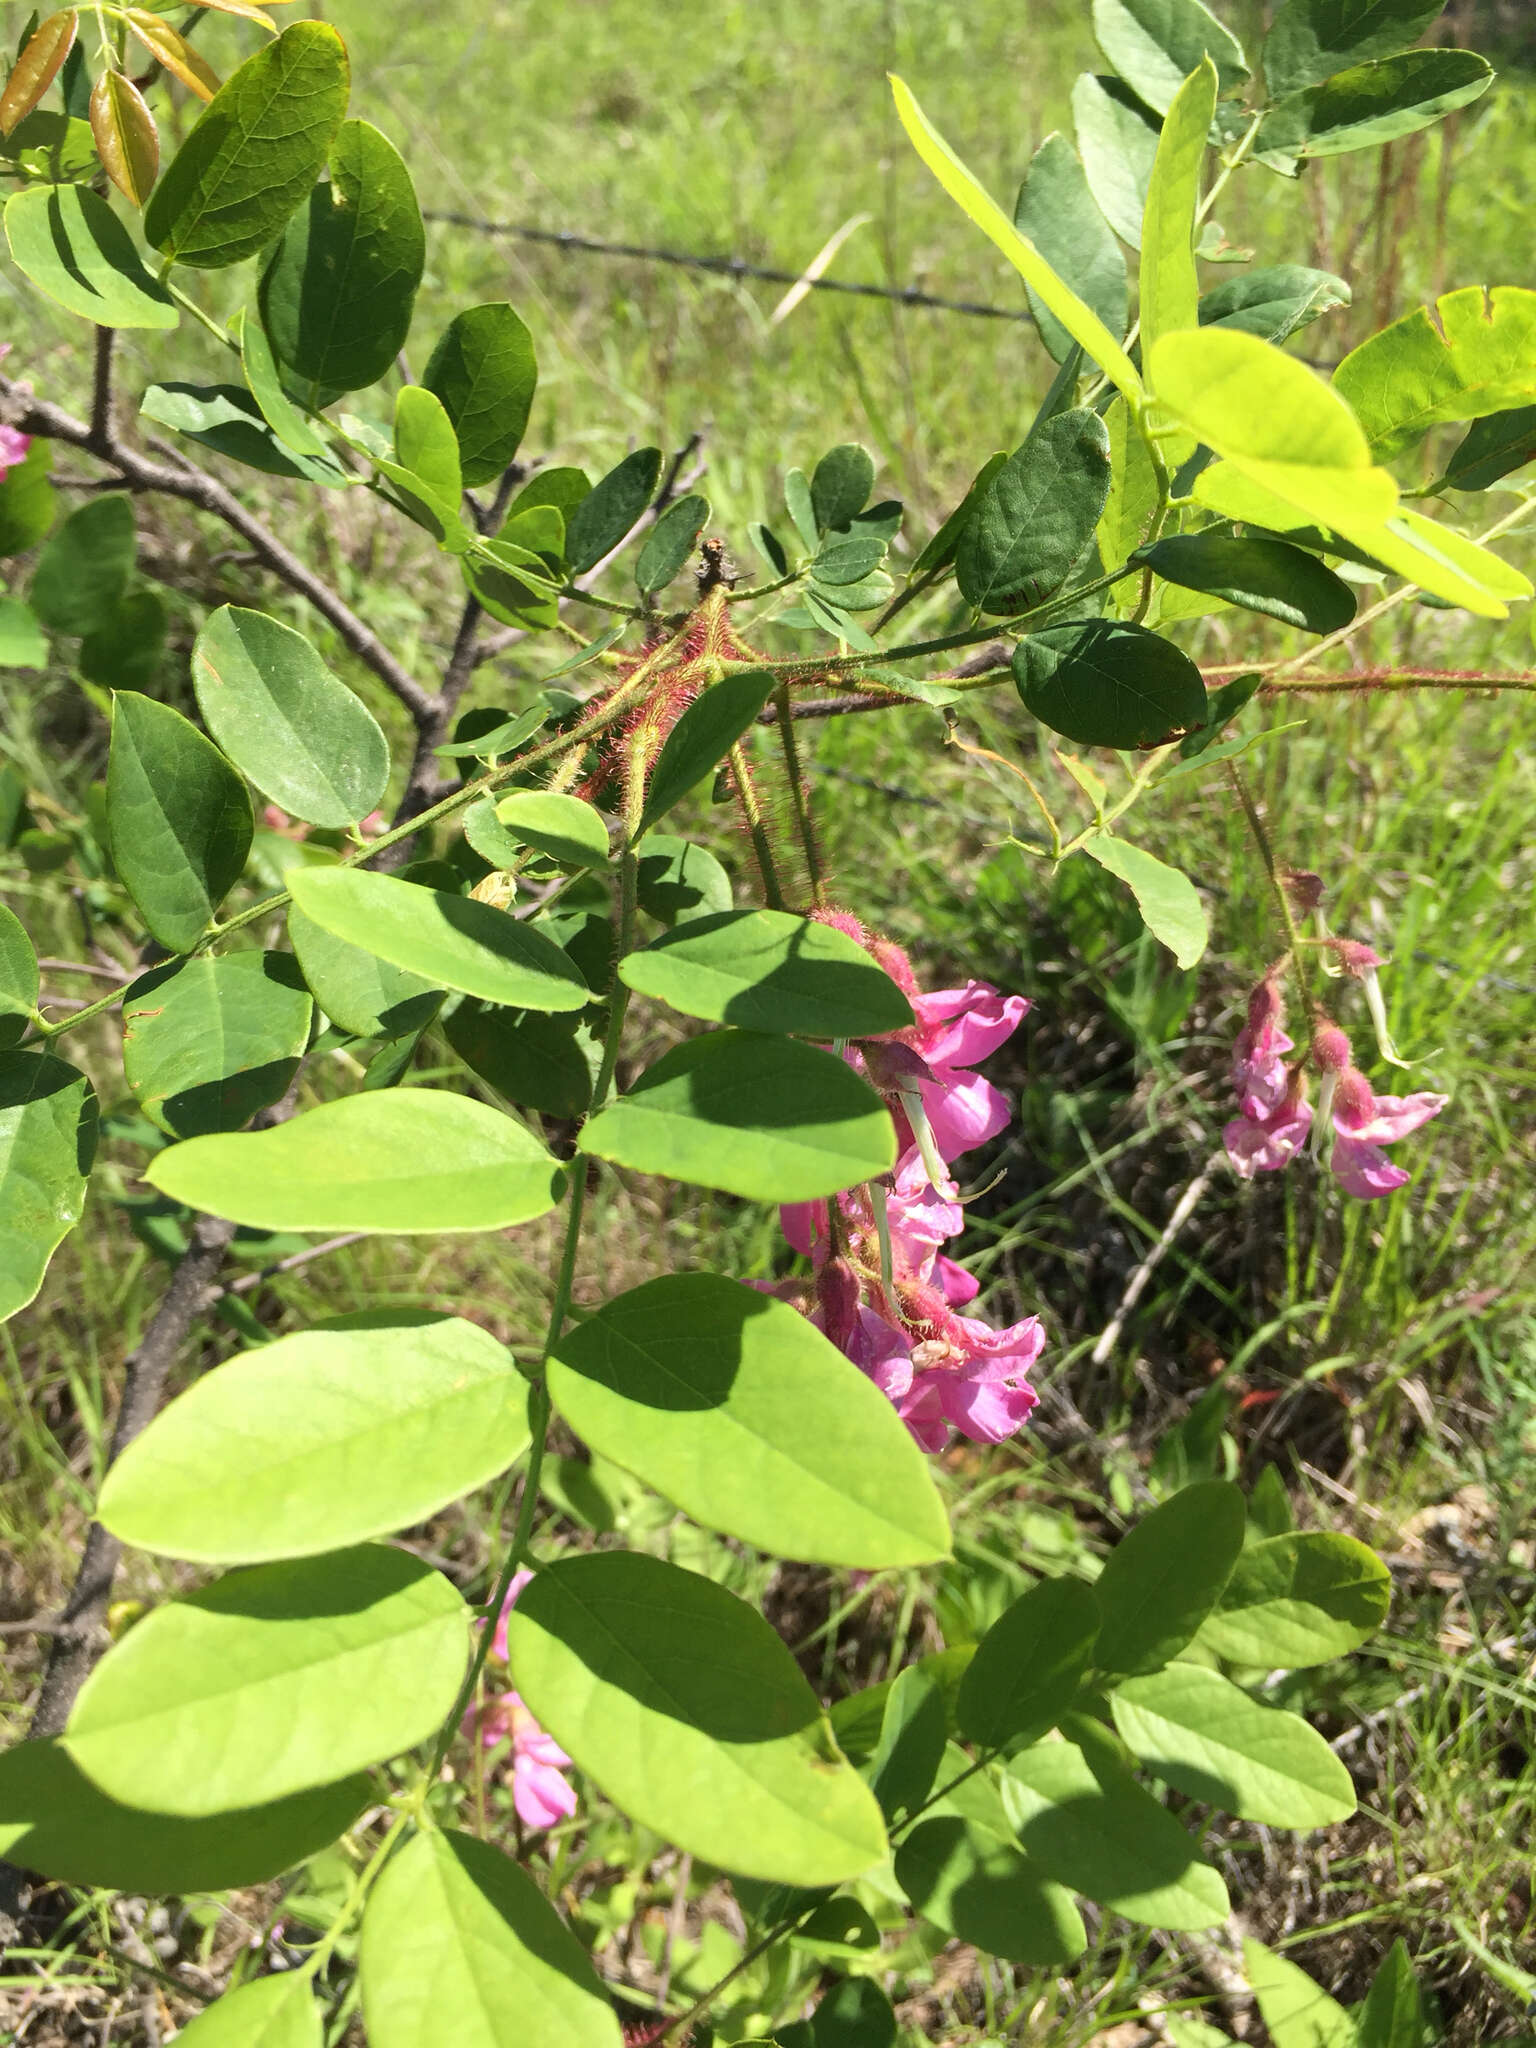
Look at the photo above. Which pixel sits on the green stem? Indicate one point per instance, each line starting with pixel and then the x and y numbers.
pixel 357 1897
pixel 759 1947
pixel 1238 156
pixel 765 589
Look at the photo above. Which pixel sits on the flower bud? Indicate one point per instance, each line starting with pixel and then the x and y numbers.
pixel 1330 1048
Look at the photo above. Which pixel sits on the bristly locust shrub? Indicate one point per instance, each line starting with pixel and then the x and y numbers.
pixel 294 947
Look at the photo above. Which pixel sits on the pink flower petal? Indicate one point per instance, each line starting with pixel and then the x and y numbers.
pixel 958 1285
pixel 1364 1170
pixel 1255 1147
pixel 963 1111
pixel 540 1794
pixel 959 1027
pixel 1392 1117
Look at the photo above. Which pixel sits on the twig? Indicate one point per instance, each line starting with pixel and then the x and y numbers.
pixel 1184 1208
pixel 87 967
pixel 248 1281
pixel 85 1610
pixel 50 422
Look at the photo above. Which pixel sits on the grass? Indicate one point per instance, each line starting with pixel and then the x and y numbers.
pixel 1382 1358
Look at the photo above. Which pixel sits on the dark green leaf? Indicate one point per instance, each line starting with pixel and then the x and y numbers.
pixel 840 486
pixel 769 971
pixel 484 372
pixel 1494 448
pixel 771 1119
pixel 500 737
pixel 272 1680
pixel 55 1821
pixel 460 1946
pixel 976 1885
pixel 449 941
pixel 83 571
pixel 208 1043
pixel 670 543
pixel 286 721
pixel 1299 1599
pixel 23 644
pixel 853 2014
pixel 289 425
pixel 1163 1579
pixel 1273 303
pixel 47 1144
pixel 125 652
pixel 255 152
pixel 703 736
pixel 406 1159
pixel 678 880
pixel 355 989
pixel 18 978
pixel 1036 516
pixel 738 1409
pixel 728 1755
pixel 1084 1820
pixel 538 1062
pixel 1309 40
pixel 338 290
pixel 67 239
pixel 1117 139
pixel 1267 576
pixel 26 500
pixel 845 560
pixel 605 516
pixel 797 502
pixel 1373 103
pixel 1108 684
pixel 1061 217
pixel 179 819
pixel 1156 44
pixel 321 1439
pixel 1026 1669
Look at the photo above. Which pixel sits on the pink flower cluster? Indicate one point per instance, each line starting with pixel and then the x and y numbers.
pixel 13 444
pixel 540 1793
pixel 1276 1115
pixel 884 1290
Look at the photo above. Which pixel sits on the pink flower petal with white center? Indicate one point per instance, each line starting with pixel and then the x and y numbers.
pixel 960 1026
pixel 1394 1116
pixel 1364 1170
pixel 958 1285
pixel 540 1794
pixel 963 1111
pixel 987 1411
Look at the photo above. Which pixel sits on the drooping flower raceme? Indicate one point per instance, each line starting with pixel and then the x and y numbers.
pixel 884 1290
pixel 541 1793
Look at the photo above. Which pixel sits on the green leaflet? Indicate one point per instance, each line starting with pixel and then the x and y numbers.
pixel 178 816
pixel 766 970
pixel 1117 139
pixel 1273 302
pixel 355 989
pixel 1205 1736
pixel 460 1945
pixel 703 736
pixel 1109 684
pixel 1026 1669
pixel 1169 903
pixel 601 519
pixel 770 1119
pixel 26 501
pixel 1035 516
pixel 1161 1580
pixel 286 721
pixel 408 1159
pixel 84 568
pixel 1299 1599
pixel 1475 356
pixel 670 543
pixel 209 1042
pixel 338 290
pixel 1267 576
pixel 484 373
pixel 1058 213
pixel 447 941
pixel 1309 40
pixel 1372 104
pixel 1080 321
pixel 331 1436
pixel 47 1144
pixel 729 1756
pixel 272 2012
pixel 1170 289
pixel 19 980
pixel 978 1886
pixel 1083 1819
pixel 738 1409
pixel 561 827
pixel 55 1821
pixel 255 151
pixel 1156 44
pixel 73 247
pixel 1297 2012
pixel 272 1680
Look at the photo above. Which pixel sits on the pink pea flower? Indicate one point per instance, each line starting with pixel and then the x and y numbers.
pixel 1276 1115
pixel 13 443
pixel 957 1028
pixel 540 1793
pixel 1363 1122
